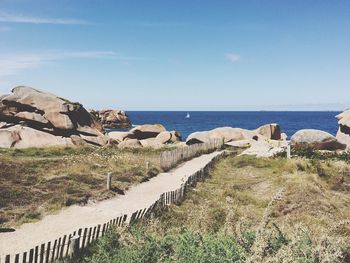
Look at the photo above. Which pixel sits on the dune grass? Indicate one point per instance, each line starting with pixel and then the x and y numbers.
pixel 249 210
pixel 34 182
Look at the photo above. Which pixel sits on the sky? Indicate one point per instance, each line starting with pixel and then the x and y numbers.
pixel 180 55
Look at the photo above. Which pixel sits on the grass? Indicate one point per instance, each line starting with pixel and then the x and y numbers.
pixel 310 153
pixel 34 182
pixel 249 210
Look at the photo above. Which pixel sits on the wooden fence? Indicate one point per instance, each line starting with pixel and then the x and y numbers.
pixel 69 245
pixel 170 159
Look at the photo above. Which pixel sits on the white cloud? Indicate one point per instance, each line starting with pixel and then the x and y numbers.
pixel 5 28
pixel 147 24
pixel 10 65
pixel 233 57
pixel 19 18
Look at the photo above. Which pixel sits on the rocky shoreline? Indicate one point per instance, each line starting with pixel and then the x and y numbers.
pixel 112 118
pixel 34 118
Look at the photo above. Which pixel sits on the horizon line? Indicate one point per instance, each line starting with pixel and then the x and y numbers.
pixel 235 110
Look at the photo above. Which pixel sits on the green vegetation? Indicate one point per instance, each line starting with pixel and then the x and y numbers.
pixel 34 182
pixel 46 152
pixel 250 210
pixel 310 153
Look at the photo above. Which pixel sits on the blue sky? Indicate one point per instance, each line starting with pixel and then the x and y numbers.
pixel 180 55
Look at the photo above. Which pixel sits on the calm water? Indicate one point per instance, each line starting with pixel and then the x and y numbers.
pixel 290 122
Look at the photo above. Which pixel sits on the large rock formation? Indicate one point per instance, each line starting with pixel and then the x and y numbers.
pixel 112 119
pixel 316 139
pixel 147 131
pixel 119 136
pixel 33 118
pixel 271 131
pixel 148 135
pixel 229 134
pixel 343 134
pixel 132 143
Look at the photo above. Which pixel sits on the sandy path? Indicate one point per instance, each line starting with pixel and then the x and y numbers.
pixel 75 217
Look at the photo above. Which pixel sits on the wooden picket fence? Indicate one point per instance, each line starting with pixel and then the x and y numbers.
pixel 70 245
pixel 169 159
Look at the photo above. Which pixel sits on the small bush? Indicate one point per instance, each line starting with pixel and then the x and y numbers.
pixel 137 244
pixel 140 245
pixel 310 153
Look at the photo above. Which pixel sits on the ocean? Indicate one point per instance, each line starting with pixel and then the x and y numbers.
pixel 290 122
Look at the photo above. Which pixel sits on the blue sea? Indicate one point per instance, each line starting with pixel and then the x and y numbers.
pixel 290 122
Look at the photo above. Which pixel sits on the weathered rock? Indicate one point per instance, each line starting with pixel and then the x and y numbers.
pixel 225 133
pixel 8 138
pixel 343 134
pixel 228 134
pixel 316 139
pixel 241 143
pixel 152 143
pixel 270 131
pixel 31 116
pixel 147 131
pixel 113 142
pixel 198 137
pixel 78 141
pixel 53 109
pixel 100 140
pixel 48 114
pixel 262 149
pixel 154 136
pixel 23 137
pixel 344 118
pixel 132 143
pixel 175 137
pixel 284 136
pixel 159 141
pixel 163 137
pixel 343 138
pixel 112 119
pixel 120 136
pixel 88 131
pixel 58 112
pixel 6 125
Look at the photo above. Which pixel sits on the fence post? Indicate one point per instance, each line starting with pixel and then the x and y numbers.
pixel 74 246
pixel 109 181
pixel 147 167
pixel 288 151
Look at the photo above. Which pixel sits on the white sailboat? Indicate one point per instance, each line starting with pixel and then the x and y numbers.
pixel 188 115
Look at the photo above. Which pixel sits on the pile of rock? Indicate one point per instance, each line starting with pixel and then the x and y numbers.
pixel 320 140
pixel 229 134
pixel 33 118
pixel 316 140
pixel 343 134
pixel 154 136
pixel 265 141
pixel 112 119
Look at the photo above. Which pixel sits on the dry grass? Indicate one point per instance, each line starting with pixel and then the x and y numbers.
pixel 34 182
pixel 250 210
pixel 243 187
pixel 297 200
